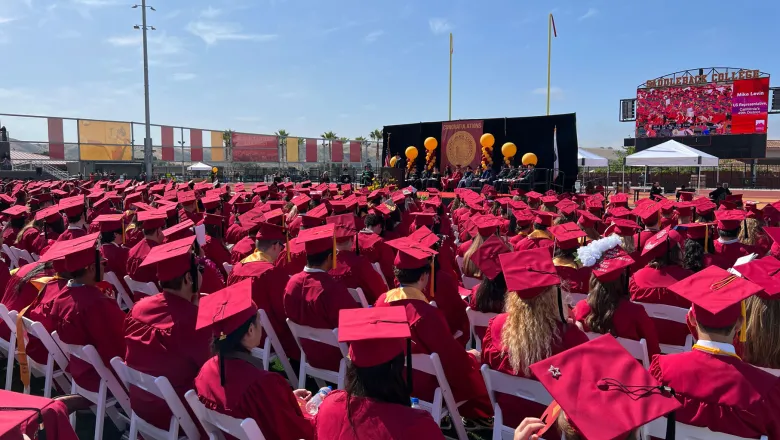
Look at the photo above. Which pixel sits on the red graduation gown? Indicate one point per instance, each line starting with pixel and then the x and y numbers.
pixel 15 423
pixel 294 226
pixel 448 300
pixel 234 233
pixel 9 235
pixel 534 240
pixel 314 299
pixel 251 392
pixel 463 248
pixel 374 248
pixel 573 279
pixel 32 241
pixel 85 316
pixel 722 393
pixel 133 236
pixel 297 258
pixel 729 253
pixel 70 234
pixel 372 419
pixel 268 286
pixel 494 355
pixel 215 250
pixel 355 271
pixel 136 256
pixel 161 341
pixel 184 215
pixel 430 334
pixel 630 321
pixel 242 249
pixel 651 286
pixel 42 312
pixel 117 259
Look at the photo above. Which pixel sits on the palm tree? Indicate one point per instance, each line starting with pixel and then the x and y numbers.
pixel 360 139
pixel 282 133
pixel 377 135
pixel 343 139
pixel 227 139
pixel 329 135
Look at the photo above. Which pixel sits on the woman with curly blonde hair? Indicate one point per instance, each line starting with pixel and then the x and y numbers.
pixel 535 325
pixel 762 343
pixel 752 235
pixel 486 226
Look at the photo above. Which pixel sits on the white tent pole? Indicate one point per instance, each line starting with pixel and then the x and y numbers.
pixel 623 185
pixel 698 183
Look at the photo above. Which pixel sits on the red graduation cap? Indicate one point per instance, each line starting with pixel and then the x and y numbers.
pixel 734 198
pixel 270 232
pixel 423 218
pixel 550 200
pixel 533 196
pixel 132 198
pixel 411 255
pixel 727 206
pixel 315 216
pixel 72 255
pixel 684 209
pixel 764 272
pixel 595 394
pixel 686 196
pixel 487 225
pixel 622 227
pixel 186 197
pixel 620 212
pixel 567 235
pixel 586 219
pixel 110 222
pixel 173 259
pixel 486 257
pixel 545 218
pixel 529 273
pixel 704 207
pixel 660 243
pixel 49 215
pixel 224 311
pixel 243 208
pixel 729 220
pixel 211 202
pixel 95 195
pixel 619 200
pixel 592 204
pixel 140 206
pixel 375 335
pixel 383 209
pixel 424 236
pixel 566 207
pixel 611 265
pixel 716 296
pixel 16 211
pixel 345 225
pixel 179 231
pixel 152 219
pixel 213 219
pixel 398 197
pixel 318 240
pixel 517 204
pixel 523 217
pixel 648 212
pixel 301 201
pixel 275 216
pixel 72 206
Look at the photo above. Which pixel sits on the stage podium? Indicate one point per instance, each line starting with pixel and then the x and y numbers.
pixel 396 175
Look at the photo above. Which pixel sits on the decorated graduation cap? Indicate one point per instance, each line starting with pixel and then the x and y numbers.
pixel 717 296
pixel 179 230
pixel 612 264
pixel 72 255
pixel 529 273
pixel 151 220
pixel 662 242
pixel 486 257
pixel 567 235
pixel 225 311
pixel 603 399
pixel 729 220
pixel 413 255
pixel 764 272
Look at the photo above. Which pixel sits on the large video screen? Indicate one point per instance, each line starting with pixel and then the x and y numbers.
pixel 738 107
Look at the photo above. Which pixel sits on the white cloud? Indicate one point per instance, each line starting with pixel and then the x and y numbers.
pixel 4 20
pixel 212 32
pixel 592 12
pixel 439 25
pixel 556 93
pixel 159 44
pixel 129 40
pixel 183 76
pixel 95 3
pixel 211 12
pixel 69 34
pixel 173 14
pixel 373 36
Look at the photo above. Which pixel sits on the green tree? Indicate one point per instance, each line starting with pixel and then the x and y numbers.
pixel 343 139
pixel 376 135
pixel 227 137
pixel 360 139
pixel 329 135
pixel 620 156
pixel 282 133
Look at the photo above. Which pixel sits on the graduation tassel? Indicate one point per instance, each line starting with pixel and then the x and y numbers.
pixel 97 265
pixel 560 306
pixel 743 330
pixel 287 239
pixel 334 251
pixel 357 244
pixel 433 275
pixel 706 239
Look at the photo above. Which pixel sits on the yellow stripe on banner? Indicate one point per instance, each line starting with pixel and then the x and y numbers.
pixel 217 147
pixel 292 149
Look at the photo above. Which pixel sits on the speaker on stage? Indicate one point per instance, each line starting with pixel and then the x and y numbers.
pixel 39 171
pixel 396 175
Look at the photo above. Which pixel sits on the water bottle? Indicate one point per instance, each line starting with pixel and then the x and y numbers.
pixel 313 405
pixel 416 403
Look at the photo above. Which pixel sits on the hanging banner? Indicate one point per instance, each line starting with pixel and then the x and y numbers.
pixel 166 134
pixel 56 139
pixel 311 150
pixel 355 148
pixel 103 140
pixel 196 145
pixel 217 147
pixel 460 143
pixel 292 149
pixel 255 148
pixel 336 151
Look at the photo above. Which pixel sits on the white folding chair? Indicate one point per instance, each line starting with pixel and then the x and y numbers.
pixel 272 348
pixel 460 262
pixel 443 403
pixel 324 336
pixel 228 267
pixel 478 319
pixel 674 314
pixel 9 318
pixel 772 371
pixel 469 282
pixel 657 428
pixel 14 260
pixel 359 296
pixel 23 254
pixel 104 405
pixel 162 388
pixel 136 286
pixel 124 300
pixel 638 349
pixel 520 387
pixel 56 362
pixel 217 425
pixel 574 298
pixel 378 268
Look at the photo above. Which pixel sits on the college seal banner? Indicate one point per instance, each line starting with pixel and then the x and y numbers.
pixel 460 143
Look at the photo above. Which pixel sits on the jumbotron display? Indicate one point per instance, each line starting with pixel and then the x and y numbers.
pixel 703 105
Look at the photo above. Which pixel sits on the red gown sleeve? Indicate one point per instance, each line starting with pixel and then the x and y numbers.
pixel 106 327
pixel 386 263
pixel 336 299
pixel 370 281
pixel 273 406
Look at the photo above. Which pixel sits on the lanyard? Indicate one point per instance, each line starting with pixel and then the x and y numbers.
pixel 715 351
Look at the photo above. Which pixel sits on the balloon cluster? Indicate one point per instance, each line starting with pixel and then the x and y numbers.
pixel 508 150
pixel 530 159
pixel 487 140
pixel 411 155
pixel 393 161
pixel 430 158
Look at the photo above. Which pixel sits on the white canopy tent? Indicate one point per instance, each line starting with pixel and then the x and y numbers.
pixel 588 159
pixel 200 166
pixel 670 154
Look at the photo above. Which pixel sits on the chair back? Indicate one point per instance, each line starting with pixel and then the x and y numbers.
pixel 469 282
pixel 359 296
pixel 674 314
pixel 162 388
pixel 657 428
pixel 9 320
pixel 89 354
pixel 324 336
pixel 217 425
pixel 520 387
pixel 459 260
pixel 773 371
pixel 637 349
pixel 56 357
pixel 122 298
pixel 272 348
pixel 136 286
pixel 11 256
pixel 431 364
pixel 378 268
pixel 23 254
pixel 228 267
pixel 478 319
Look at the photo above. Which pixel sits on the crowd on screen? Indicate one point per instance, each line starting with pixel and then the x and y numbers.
pixel 566 279
pixel 684 111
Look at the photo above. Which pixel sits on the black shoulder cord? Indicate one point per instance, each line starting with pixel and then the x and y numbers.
pixel 97 265
pixel 409 369
pixel 41 433
pixel 560 307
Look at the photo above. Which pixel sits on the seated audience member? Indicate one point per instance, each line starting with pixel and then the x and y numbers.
pixel 486 227
pixel 727 247
pixel 608 308
pixel 574 277
pixel 728 395
pixel 762 346
pixel 540 237
pixel 488 295
pixel 234 382
pixel 534 327
pixel 376 399
pixel 352 269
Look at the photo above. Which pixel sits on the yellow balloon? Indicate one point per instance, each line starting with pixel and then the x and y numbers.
pixel 393 161
pixel 487 140
pixel 411 153
pixel 509 149
pixel 530 159
pixel 431 143
pixel 214 170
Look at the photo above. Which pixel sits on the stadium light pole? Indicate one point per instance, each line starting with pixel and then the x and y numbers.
pixel 148 137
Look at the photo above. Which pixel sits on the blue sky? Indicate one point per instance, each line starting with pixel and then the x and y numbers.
pixel 354 65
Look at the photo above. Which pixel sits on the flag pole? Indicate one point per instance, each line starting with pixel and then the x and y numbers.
pixel 549 56
pixel 450 109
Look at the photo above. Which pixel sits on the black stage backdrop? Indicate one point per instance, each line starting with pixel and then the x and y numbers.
pixel 530 135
